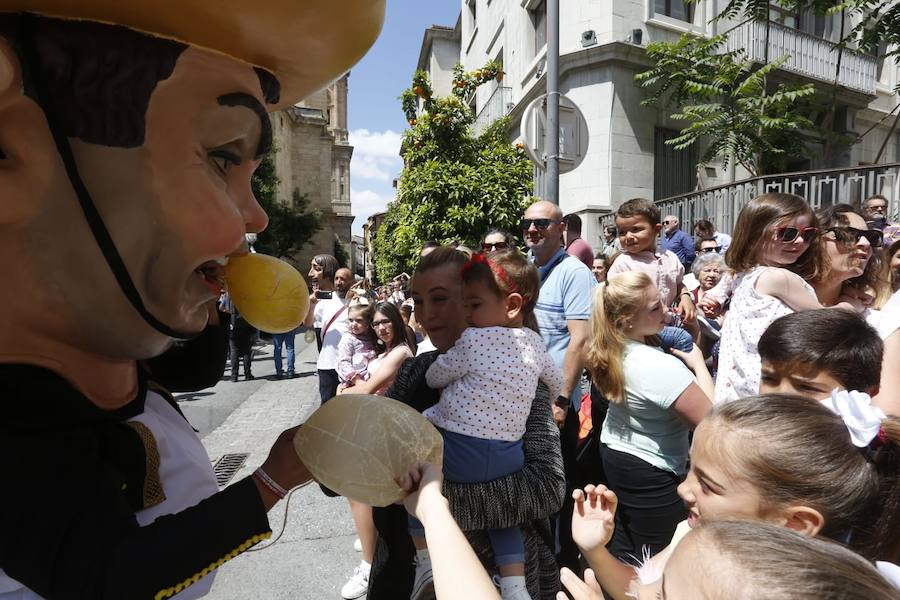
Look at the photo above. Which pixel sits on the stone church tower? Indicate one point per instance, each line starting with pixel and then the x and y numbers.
pixel 313 159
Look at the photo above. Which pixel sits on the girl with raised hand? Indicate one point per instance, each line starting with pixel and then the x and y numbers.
pixel 774 252
pixel 654 401
pixel 742 560
pixel 829 469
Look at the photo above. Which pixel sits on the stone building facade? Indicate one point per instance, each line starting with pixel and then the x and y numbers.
pixel 312 159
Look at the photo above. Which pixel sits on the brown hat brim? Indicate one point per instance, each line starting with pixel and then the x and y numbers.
pixel 305 44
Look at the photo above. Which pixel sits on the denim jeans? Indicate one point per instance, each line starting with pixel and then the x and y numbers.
pixel 675 337
pixel 471 460
pixel 287 339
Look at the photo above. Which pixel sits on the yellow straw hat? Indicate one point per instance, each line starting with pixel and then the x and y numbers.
pixel 306 44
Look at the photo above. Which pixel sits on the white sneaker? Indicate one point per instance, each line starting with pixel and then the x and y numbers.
pixel 516 595
pixel 423 584
pixel 357 545
pixel 358 584
pixel 513 588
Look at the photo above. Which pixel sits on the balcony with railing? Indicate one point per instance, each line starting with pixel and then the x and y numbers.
pixel 498 105
pixel 809 55
pixel 821 189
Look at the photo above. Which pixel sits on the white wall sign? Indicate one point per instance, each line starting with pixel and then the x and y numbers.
pixel 573 133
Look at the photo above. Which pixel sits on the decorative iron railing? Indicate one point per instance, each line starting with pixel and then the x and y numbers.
pixel 808 55
pixel 498 105
pixel 821 189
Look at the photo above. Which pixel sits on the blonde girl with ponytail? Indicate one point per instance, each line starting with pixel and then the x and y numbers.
pixel 654 401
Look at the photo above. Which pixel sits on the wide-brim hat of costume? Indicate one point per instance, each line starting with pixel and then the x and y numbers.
pixel 305 44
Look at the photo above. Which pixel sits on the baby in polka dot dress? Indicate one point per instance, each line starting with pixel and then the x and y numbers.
pixel 488 381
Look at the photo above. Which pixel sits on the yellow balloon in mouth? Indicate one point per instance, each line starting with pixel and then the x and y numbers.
pixel 270 294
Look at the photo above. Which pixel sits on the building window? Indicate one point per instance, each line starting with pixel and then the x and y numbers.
pixel 473 15
pixel 675 9
pixel 791 18
pixel 341 183
pixel 674 171
pixel 539 21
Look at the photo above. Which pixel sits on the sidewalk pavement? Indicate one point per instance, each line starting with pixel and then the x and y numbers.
pixel 314 556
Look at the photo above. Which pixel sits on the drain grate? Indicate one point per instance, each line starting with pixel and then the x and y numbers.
pixel 227 466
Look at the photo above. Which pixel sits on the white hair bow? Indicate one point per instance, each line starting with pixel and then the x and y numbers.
pixel 889 571
pixel 861 418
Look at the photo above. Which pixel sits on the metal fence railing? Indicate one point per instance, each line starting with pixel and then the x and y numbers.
pixel 807 54
pixel 821 189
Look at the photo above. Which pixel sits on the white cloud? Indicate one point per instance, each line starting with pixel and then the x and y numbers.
pixel 376 155
pixel 366 203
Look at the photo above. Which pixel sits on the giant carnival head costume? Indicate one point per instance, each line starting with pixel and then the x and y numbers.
pixel 128 135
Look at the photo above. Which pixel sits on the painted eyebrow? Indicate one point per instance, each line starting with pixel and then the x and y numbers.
pixel 248 101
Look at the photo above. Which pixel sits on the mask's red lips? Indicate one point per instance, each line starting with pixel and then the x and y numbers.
pixel 212 273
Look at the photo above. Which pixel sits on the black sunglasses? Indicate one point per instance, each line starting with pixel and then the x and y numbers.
pixel 708 250
pixel 852 235
pixel 526 224
pixel 495 246
pixel 790 234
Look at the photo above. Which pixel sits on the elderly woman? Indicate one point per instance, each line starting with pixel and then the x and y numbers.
pixel 707 269
pixel 850 269
pixel 525 498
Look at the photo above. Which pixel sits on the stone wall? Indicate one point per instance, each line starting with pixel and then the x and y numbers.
pixel 313 157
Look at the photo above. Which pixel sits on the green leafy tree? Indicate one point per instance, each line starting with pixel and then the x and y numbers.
pixel 290 227
pixel 726 102
pixel 868 25
pixel 454 185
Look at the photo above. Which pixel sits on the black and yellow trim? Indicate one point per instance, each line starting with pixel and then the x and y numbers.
pixel 171 591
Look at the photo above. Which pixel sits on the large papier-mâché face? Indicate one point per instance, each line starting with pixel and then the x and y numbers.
pixel 172 205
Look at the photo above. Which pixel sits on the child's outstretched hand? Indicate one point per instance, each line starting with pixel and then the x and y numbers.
pixel 710 307
pixel 423 484
pixel 586 589
pixel 686 309
pixel 594 517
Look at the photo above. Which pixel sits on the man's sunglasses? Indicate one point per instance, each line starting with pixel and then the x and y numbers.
pixel 790 234
pixel 485 247
pixel 708 250
pixel 852 235
pixel 541 224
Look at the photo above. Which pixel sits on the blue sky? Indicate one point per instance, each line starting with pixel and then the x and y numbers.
pixel 376 121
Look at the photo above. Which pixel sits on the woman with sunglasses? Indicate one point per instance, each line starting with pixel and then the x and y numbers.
pixel 852 266
pixel 496 239
pixel 774 252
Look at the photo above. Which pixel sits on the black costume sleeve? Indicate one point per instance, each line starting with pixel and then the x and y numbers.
pixel 68 531
pixel 73 480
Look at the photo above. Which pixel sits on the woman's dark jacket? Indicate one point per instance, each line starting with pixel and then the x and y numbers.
pixel 526 498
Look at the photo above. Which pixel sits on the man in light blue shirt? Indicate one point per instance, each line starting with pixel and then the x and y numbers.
pixel 564 304
pixel 562 311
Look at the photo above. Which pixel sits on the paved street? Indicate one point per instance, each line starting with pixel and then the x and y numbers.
pixel 314 556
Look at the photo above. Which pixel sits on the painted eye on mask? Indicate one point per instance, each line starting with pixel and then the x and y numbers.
pixel 224 160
